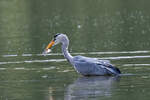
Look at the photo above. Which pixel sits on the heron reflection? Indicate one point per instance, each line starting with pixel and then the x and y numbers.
pixel 91 87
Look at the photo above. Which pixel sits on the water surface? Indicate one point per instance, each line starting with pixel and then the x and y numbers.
pixel 114 30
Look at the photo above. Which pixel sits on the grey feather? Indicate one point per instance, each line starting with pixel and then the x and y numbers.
pixel 93 66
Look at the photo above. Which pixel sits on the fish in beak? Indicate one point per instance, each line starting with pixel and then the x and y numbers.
pixel 48 48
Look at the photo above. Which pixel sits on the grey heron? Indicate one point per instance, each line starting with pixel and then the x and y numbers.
pixel 84 65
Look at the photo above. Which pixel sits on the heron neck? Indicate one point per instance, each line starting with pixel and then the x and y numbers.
pixel 66 53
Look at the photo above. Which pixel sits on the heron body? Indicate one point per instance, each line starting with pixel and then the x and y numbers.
pixel 83 65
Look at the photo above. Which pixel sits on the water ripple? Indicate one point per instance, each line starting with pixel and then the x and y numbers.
pixel 33 61
pixel 15 55
pixel 119 52
pixel 79 53
pixel 125 57
pixel 24 68
pixel 62 60
pixel 128 65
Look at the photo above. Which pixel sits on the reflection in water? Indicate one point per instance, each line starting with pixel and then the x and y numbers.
pixel 94 87
pixel 50 93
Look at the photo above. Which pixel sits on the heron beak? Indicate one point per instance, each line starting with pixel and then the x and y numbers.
pixel 50 44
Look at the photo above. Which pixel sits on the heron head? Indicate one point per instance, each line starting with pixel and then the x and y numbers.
pixel 58 38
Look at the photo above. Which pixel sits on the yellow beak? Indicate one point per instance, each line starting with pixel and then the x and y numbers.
pixel 50 44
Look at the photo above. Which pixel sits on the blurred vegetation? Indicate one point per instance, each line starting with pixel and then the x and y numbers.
pixel 26 26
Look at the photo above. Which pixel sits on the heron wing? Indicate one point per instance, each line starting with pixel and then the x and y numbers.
pixel 86 65
pixel 92 60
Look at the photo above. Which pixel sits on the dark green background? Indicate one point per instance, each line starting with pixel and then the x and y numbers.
pixel 97 25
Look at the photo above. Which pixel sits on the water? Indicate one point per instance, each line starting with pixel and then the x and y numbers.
pixel 114 30
pixel 35 77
